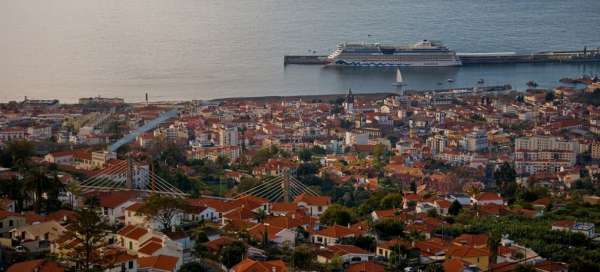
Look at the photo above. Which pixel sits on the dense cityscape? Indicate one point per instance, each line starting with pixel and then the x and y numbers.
pixel 482 179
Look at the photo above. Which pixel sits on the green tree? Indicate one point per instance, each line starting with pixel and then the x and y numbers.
pixel 192 267
pixel 391 201
pixel 20 152
pixel 92 231
pixel 388 228
pixel 455 208
pixel 337 214
pixel 233 253
pixel 305 155
pixel 303 257
pixel 163 209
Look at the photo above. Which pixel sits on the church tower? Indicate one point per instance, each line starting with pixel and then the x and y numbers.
pixel 349 102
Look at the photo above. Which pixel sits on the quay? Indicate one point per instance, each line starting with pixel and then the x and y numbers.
pixel 581 56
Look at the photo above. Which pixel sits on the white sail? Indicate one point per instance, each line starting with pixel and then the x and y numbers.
pixel 399 76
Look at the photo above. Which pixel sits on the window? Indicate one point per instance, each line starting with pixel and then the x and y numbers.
pixel 130 264
pixel 130 245
pixel 10 223
pixel 1 225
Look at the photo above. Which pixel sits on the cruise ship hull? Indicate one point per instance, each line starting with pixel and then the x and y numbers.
pixel 395 63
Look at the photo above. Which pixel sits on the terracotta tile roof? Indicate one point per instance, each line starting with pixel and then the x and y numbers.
pixel 5 214
pixel 114 199
pixel 150 248
pixel 313 200
pixel 454 265
pixel 346 249
pixel 488 196
pixel 431 247
pixel 219 205
pixel 336 231
pixel 366 267
pixel 248 265
pixel 467 251
pixel 162 262
pixel 283 207
pixel 257 231
pixel 36 266
pixel 563 224
pixel 215 245
pixel 473 240
pixel 134 207
pixel 132 232
pixel 550 266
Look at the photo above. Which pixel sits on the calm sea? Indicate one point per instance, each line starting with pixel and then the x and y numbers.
pixel 197 49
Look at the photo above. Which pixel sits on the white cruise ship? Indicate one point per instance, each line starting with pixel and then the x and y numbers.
pixel 422 54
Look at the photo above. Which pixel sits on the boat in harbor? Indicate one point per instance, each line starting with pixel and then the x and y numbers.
pixel 399 79
pixel 422 54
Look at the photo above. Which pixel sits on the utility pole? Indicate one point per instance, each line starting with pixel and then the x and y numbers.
pixel 129 182
pixel 286 187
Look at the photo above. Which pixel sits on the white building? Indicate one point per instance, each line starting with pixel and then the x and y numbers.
pixel 228 136
pixel 355 138
pixel 475 141
pixel 543 153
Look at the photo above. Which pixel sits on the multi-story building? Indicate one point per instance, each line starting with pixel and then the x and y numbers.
pixel 595 150
pixel 543 153
pixel 437 143
pixel 228 136
pixel 475 141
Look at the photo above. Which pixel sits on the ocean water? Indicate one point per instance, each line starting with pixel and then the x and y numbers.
pixel 200 49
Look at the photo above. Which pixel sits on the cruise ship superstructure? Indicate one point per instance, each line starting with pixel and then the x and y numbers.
pixel 422 54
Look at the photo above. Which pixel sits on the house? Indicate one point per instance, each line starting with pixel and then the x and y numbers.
pixel 442 206
pixel 38 237
pixel 349 254
pixel 199 213
pixel 458 265
pixel 147 242
pixel 369 266
pixel 9 221
pixel 431 250
pixel 113 205
pixel 486 198
pixel 134 217
pixel 332 235
pixel 249 265
pixel 159 263
pixel 587 229
pixel 472 240
pixel 277 235
pixel 315 205
pixel 550 266
pixel 384 248
pixel 39 265
pixel 476 256
pixel 60 158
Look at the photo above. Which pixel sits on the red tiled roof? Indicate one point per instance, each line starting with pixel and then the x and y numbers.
pixel 36 266
pixel 467 251
pixel 313 200
pixel 336 231
pixel 248 265
pixel 473 240
pixel 162 262
pixel 114 199
pixel 369 266
pixel 454 265
pixel 132 232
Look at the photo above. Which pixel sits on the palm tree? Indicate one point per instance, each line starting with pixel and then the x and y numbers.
pixel 40 186
pixel 36 182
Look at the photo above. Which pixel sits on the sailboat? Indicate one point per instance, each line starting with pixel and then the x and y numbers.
pixel 399 80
